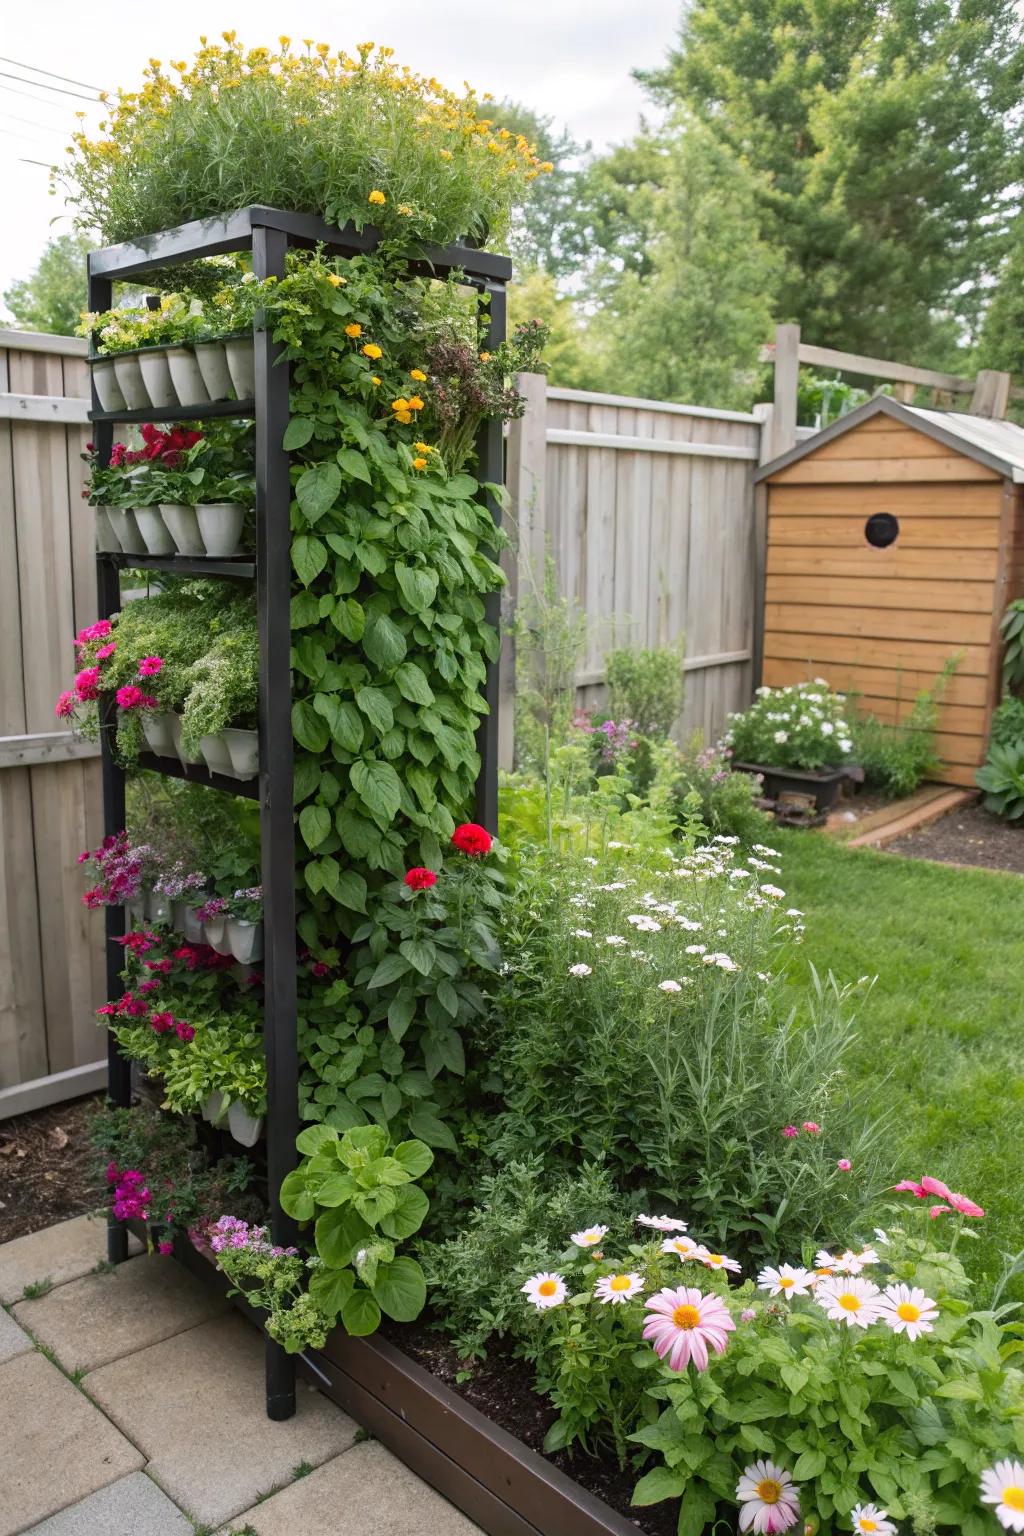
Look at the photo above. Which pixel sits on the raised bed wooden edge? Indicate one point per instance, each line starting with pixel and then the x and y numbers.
pixel 501 1484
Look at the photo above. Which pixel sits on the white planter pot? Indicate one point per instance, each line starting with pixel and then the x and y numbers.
pixel 157 727
pixel 107 541
pixel 191 924
pixel 242 366
pixel 131 383
pixel 188 381
pixel 183 526
pixel 182 755
pixel 214 930
pixel 214 1106
pixel 216 755
pixel 126 531
pixel 134 914
pixel 213 365
pixel 158 908
pixel 220 523
pixel 178 916
pixel 151 525
pixel 108 390
pixel 245 940
pixel 156 375
pixel 244 752
pixel 245 1128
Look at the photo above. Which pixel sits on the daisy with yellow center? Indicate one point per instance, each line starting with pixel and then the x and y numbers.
pixel 906 1309
pixel 681 1323
pixel 869 1520
pixel 615 1289
pixel 545 1290
pixel 418 375
pixel 719 1261
pixel 767 1498
pixel 353 330
pixel 854 1302
pixel 685 1247
pixel 377 198
pixel 787 1280
pixel 1003 1487
pixel 371 350
pixel 588 1237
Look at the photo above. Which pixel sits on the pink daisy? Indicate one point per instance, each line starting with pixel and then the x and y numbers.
pixel 681 1323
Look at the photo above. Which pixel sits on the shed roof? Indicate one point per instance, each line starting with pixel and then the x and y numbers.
pixel 999 445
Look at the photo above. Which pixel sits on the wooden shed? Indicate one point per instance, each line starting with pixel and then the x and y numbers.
pixel 895 539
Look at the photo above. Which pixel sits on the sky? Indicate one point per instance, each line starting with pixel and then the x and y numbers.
pixel 569 58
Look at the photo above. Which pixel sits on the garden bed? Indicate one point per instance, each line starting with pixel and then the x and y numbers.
pixel 968 836
pixel 46 1168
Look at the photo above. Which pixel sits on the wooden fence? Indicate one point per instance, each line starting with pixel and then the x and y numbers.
pixel 51 947
pixel 647 510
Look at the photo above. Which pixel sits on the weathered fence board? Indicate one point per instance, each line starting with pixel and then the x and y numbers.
pixel 647 510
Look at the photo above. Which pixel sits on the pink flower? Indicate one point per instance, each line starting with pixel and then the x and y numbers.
pixel 915 1189
pixel 65 705
pixel 812 1128
pixel 747 1315
pixel 936 1187
pixel 165 1247
pixel 113 1173
pixel 106 650
pixel 965 1207
pixel 681 1323
pixel 98 631
pixel 149 666
pixel 790 1131
pixel 87 684
pixel 162 1022
pixel 184 1031
pixel 129 697
pixel 937 1210
pixel 844 1164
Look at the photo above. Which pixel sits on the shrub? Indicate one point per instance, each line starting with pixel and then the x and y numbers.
pixel 319 132
pixel 1007 728
pixel 1002 779
pixel 802 726
pixel 727 800
pixel 1012 628
pixel 645 687
pixel 646 1020
pixel 897 758
pixel 550 636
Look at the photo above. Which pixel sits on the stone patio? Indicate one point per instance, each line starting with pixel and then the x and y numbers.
pixel 138 1407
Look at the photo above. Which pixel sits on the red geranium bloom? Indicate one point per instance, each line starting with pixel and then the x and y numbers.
pixel 472 839
pixel 420 879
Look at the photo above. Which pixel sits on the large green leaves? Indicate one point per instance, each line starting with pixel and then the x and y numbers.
pixel 316 490
pixel 378 786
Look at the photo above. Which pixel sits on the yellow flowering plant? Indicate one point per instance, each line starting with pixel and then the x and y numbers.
pixel 297 128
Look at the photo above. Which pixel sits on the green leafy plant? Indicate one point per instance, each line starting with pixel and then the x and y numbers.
pixel 221 687
pixel 364 1199
pixel 1007 727
pixel 550 633
pixel 272 1279
pixel 897 758
pixel 1002 779
pixel 803 726
pixel 727 800
pixel 1012 628
pixel 646 687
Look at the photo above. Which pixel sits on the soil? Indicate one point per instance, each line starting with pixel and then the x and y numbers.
pixel 967 836
pixel 501 1388
pixel 46 1168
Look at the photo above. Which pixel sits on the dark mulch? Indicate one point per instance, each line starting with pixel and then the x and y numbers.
pixel 967 836
pixel 46 1168
pixel 501 1388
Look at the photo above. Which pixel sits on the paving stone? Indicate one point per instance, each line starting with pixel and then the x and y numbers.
pixel 379 1497
pixel 134 1506
pixel 55 1446
pixel 61 1253
pixel 13 1340
pixel 195 1405
pixel 99 1318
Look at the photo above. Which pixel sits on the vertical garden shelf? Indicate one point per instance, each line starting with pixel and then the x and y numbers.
pixel 267 233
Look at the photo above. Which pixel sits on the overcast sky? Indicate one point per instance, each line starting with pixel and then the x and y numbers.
pixel 571 58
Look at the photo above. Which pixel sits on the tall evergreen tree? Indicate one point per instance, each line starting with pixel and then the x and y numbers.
pixel 886 137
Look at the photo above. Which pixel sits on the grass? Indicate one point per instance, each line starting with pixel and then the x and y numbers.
pixel 941 1034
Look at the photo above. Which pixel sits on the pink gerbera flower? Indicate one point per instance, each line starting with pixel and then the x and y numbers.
pixel 682 1322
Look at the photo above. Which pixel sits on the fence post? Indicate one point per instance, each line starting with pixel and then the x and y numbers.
pixel 782 428
pixel 991 394
pixel 523 560
pixel 764 414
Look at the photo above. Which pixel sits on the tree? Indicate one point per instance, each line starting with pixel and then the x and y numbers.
pixel 547 233
pixel 886 140
pixel 570 365
pixel 53 297
pixel 686 322
pixel 1002 336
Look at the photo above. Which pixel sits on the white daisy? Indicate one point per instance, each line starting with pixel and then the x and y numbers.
pixel 870 1520
pixel 589 1237
pixel 768 1500
pixel 825 1260
pixel 579 970
pixel 683 1247
pixel 787 1280
pixel 616 1289
pixel 545 1290
pixel 853 1301
pixel 906 1309
pixel 719 1261
pixel 1003 1486
pixel 662 1223
pixel 669 986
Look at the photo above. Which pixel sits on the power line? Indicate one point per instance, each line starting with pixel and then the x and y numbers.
pixel 25 138
pixel 35 70
pixel 43 101
pixel 41 85
pixel 30 122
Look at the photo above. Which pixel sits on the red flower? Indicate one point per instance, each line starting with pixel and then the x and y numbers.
pixel 472 839
pixel 65 706
pixel 420 879
pixel 117 455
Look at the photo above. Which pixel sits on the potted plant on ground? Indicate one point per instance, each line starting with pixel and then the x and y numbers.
pixel 799 741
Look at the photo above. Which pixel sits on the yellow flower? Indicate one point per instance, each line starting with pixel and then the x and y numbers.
pixel 336 282
pixel 404 417
pixel 401 404
pixel 323 49
pixel 284 41
pixel 446 154
pixel 372 351
pixel 353 330
pixel 404 209
pixel 374 379
pixel 423 447
pixel 546 165
pixel 418 375
pixel 415 403
pixel 485 357
pixel 419 463
pixel 377 198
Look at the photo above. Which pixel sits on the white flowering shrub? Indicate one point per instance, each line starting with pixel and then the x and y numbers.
pixel 648 1017
pixel 803 726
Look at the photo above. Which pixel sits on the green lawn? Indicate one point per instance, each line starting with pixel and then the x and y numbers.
pixel 941 1035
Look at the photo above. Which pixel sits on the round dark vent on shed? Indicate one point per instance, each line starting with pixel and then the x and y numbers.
pixel 882 529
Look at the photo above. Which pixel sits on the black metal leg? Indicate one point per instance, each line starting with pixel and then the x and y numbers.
pixel 280 1382
pixel 490 449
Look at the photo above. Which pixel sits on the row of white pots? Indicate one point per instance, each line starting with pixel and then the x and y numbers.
pixel 233 752
pixel 244 1127
pixel 170 376
pixel 213 528
pixel 227 935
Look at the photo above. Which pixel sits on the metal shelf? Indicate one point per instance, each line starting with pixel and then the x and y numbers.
pixel 240 566
pixel 198 773
pixel 179 412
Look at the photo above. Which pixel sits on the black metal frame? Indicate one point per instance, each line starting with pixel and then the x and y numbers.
pixel 267 233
